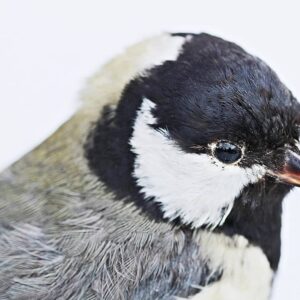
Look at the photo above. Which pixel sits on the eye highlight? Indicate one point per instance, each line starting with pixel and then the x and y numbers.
pixel 227 152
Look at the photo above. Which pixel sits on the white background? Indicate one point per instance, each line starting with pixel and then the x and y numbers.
pixel 48 48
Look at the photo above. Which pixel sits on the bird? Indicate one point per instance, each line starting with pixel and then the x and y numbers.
pixel 167 183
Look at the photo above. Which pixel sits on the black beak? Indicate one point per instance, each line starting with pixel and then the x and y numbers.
pixel 291 169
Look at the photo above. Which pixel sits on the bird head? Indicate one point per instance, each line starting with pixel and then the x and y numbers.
pixel 192 131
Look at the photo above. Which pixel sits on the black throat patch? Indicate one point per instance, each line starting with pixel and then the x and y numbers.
pixel 256 215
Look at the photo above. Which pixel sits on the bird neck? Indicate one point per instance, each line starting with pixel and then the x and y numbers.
pixel 256 215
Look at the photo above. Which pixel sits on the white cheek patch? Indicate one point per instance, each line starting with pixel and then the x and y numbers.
pixel 197 188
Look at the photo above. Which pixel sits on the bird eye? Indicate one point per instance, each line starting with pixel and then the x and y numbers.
pixel 227 153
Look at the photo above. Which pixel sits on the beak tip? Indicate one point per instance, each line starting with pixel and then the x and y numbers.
pixel 291 170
